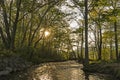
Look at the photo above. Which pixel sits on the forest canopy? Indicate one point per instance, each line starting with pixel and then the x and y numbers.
pixel 41 29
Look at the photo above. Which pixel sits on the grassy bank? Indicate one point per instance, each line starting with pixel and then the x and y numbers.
pixel 106 68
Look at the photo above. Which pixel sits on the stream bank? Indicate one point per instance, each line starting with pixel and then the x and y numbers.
pixel 104 68
pixel 68 70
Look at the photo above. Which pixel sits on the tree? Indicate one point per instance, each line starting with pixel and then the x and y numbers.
pixel 86 33
pixel 115 13
pixel 14 15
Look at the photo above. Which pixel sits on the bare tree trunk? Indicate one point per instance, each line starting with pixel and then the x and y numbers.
pixel 100 44
pixel 116 40
pixel 81 53
pixel 7 30
pixel 86 34
pixel 30 32
pixel 111 56
pixel 15 25
pixel 24 31
pixel 3 38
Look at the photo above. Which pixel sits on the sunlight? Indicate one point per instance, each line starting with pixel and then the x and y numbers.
pixel 47 33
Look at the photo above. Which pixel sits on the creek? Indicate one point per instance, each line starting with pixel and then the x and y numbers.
pixel 68 70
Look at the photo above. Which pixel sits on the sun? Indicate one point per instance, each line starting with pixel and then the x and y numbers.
pixel 47 33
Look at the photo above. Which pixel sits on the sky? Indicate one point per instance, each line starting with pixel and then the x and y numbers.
pixel 75 14
pixel 74 18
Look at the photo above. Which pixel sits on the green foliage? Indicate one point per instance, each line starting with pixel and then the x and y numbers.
pixel 35 17
pixel 6 53
pixel 40 54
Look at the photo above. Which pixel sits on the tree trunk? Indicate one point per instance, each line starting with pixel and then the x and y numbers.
pixel 15 25
pixel 116 40
pixel 86 34
pixel 81 53
pixel 7 30
pixel 100 44
pixel 111 56
pixel 3 38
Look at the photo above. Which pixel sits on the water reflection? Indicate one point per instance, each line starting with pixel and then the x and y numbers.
pixel 56 71
pixel 65 71
pixel 45 77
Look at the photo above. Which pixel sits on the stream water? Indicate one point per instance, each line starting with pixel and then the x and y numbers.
pixel 69 70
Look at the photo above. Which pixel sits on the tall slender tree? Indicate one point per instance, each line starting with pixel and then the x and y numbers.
pixel 86 33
